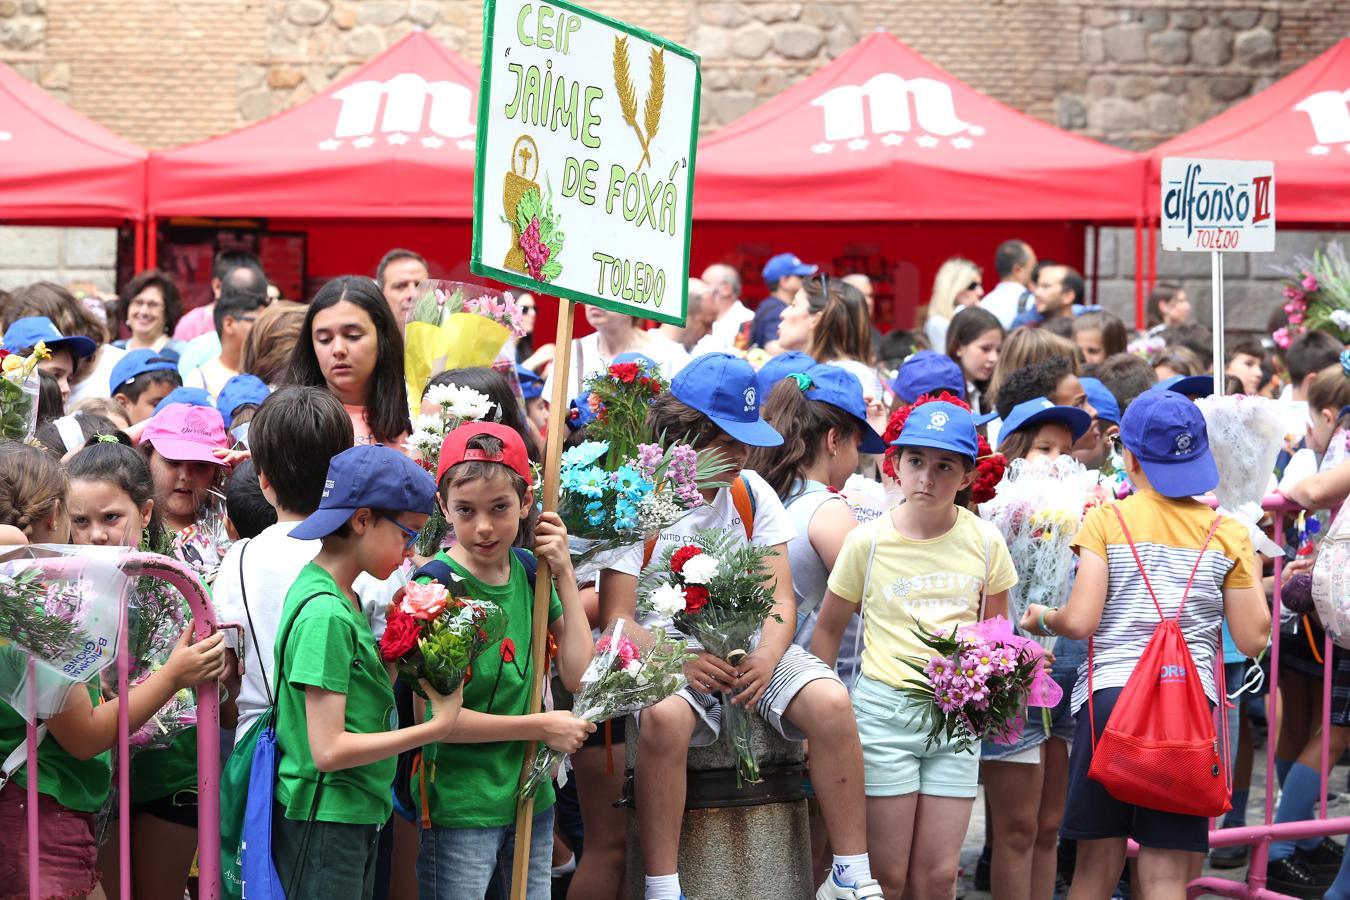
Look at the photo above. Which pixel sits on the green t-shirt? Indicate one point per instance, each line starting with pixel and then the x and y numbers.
pixel 330 646
pixel 78 784
pixel 474 785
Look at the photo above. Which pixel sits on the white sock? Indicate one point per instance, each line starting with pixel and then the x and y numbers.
pixel 849 870
pixel 663 887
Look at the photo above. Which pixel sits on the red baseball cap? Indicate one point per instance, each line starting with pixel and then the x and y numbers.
pixel 455 449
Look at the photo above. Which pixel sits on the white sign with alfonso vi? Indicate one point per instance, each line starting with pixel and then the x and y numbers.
pixel 585 170
pixel 1218 204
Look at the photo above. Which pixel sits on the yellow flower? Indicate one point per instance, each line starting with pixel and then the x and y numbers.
pixel 13 363
pixel 40 352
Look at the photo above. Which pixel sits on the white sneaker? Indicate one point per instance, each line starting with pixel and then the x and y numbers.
pixel 868 889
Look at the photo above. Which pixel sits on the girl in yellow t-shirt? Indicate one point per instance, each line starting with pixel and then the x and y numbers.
pixel 929 563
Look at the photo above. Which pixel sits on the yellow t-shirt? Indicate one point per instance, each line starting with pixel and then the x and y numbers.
pixel 939 582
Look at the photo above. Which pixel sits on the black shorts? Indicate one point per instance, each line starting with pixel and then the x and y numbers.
pixel 618 729
pixel 1091 813
pixel 180 808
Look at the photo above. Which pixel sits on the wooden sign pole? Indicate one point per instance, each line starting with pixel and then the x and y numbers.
pixel 557 430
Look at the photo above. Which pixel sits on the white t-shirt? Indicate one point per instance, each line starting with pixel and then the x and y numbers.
pixel 722 337
pixel 272 562
pixel 1002 301
pixel 95 384
pixel 587 360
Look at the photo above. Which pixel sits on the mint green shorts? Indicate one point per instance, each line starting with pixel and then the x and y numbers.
pixel 895 758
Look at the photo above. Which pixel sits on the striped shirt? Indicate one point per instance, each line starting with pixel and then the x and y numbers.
pixel 1168 534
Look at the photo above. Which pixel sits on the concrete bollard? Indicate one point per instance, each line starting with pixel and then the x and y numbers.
pixel 747 842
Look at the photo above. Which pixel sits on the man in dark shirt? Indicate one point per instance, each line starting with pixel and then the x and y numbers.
pixel 783 277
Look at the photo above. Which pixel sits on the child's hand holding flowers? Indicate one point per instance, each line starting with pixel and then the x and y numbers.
pixel 550 544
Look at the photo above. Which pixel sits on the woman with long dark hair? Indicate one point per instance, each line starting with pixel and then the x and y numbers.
pixel 351 345
pixel 974 341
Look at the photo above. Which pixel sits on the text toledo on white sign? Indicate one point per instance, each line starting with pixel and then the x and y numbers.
pixel 1218 204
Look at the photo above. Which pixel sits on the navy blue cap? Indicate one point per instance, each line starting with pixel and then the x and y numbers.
pixel 579 413
pixel 136 363
pixel 26 333
pixel 192 396
pixel 1166 432
pixel 240 390
pixel 722 387
pixel 1188 385
pixel 927 372
pixel 779 367
pixel 785 264
pixel 369 475
pixel 1034 412
pixel 531 385
pixel 1102 400
pixel 942 426
pixel 842 389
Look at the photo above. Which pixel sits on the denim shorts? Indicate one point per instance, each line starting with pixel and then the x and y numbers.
pixel 1068 655
pixel 67 853
pixel 460 863
pixel 896 759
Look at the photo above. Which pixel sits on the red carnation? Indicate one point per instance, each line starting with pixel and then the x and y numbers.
pixel 508 650
pixel 655 386
pixel 695 598
pixel 400 634
pixel 625 372
pixel 682 556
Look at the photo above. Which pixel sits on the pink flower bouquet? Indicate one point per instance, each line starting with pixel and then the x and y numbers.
pixel 980 683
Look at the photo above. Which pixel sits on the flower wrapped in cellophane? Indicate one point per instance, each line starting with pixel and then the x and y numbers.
pixel 456 405
pixel 715 588
pixel 1246 433
pixel 1038 508
pixel 19 383
pixel 156 616
pixel 429 634
pixel 978 684
pixel 604 509
pixel 632 669
pixel 454 325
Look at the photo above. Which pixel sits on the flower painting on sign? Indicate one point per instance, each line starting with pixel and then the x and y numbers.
pixel 588 126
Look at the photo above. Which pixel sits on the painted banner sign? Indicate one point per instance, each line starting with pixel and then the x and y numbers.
pixel 1218 204
pixel 585 170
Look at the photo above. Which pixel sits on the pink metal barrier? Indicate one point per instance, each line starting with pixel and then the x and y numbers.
pixel 182 578
pixel 1261 836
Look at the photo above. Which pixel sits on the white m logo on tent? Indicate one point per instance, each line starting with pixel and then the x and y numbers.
pixel 888 106
pixel 1330 115
pixel 404 99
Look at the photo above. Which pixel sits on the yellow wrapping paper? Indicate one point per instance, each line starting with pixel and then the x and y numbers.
pixel 463 340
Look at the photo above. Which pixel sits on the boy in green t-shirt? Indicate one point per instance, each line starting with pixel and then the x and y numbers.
pixel 334 694
pixel 485 492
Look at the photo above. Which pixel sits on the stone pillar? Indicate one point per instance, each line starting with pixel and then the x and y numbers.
pixel 738 843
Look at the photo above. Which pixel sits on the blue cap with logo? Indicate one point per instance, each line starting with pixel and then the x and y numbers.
pixel 241 390
pixel 531 385
pixel 941 426
pixel 1101 399
pixel 26 333
pixel 842 389
pixel 779 367
pixel 785 264
pixel 927 372
pixel 192 396
pixel 369 475
pixel 1039 410
pixel 722 387
pixel 1166 432
pixel 1188 385
pixel 135 364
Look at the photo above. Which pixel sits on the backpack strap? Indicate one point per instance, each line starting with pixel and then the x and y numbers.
pixel 1144 575
pixel 257 647
pixel 742 498
pixel 439 571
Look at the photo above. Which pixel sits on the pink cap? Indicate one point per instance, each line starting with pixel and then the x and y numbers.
pixel 187 433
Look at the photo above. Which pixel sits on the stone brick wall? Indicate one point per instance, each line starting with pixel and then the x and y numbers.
pixel 70 256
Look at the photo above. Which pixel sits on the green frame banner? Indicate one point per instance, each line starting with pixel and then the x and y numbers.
pixel 584 177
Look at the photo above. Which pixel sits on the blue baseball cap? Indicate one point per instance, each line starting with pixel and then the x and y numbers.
pixel 842 389
pixel 779 367
pixel 1166 432
pixel 531 385
pixel 135 364
pixel 722 387
pixel 240 390
pixel 192 396
pixel 1188 385
pixel 1102 400
pixel 370 475
pixel 579 413
pixel 26 333
pixel 942 426
pixel 642 360
pixel 1034 412
pixel 785 264
pixel 927 372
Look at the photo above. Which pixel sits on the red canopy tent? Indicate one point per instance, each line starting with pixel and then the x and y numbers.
pixel 883 136
pixel 1302 123
pixel 61 168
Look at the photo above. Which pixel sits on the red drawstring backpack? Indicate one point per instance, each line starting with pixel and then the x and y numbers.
pixel 1159 749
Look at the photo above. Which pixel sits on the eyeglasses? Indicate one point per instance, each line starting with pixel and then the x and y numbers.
pixel 411 535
